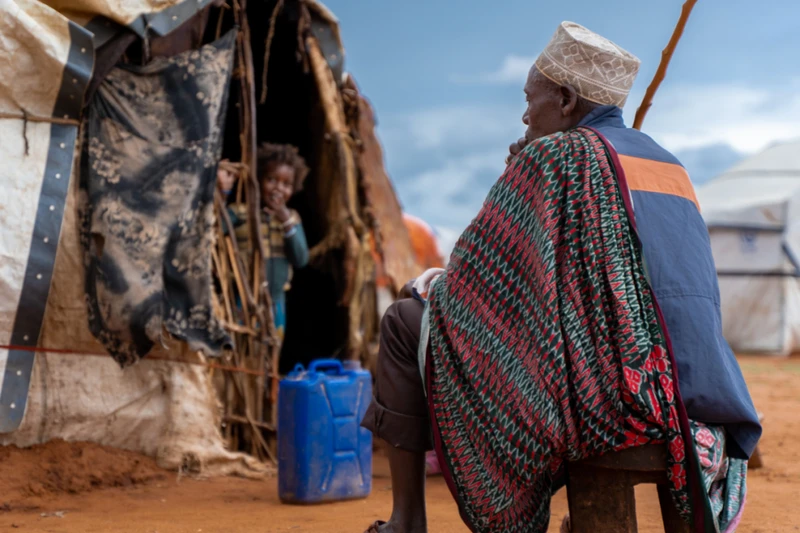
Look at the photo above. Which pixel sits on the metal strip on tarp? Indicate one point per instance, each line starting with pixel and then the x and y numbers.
pixel 46 231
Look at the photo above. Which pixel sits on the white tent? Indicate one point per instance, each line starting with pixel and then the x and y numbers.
pixel 753 215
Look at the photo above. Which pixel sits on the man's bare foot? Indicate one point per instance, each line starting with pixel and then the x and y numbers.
pixel 391 527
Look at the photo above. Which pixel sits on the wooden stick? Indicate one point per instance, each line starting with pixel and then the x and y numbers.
pixel 242 420
pixel 267 46
pixel 219 21
pixel 244 330
pixel 216 307
pixel 260 383
pixel 227 394
pixel 237 265
pixel 249 142
pixel 252 323
pixel 222 274
pixel 256 431
pixel 34 118
pixel 666 56
pixel 244 290
pixel 256 274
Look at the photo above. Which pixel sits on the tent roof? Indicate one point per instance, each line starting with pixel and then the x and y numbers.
pixel 755 192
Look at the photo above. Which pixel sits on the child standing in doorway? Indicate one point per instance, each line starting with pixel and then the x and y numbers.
pixel 281 173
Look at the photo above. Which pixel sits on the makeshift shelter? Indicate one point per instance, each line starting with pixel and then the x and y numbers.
pixel 56 382
pixel 753 216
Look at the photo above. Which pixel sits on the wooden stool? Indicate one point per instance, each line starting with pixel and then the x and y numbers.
pixel 601 496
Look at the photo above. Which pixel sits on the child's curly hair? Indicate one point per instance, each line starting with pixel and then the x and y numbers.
pixel 271 155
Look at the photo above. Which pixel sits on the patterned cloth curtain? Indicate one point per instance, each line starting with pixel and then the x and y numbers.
pixel 153 140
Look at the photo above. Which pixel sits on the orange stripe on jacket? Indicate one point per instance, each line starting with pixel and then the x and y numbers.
pixel 655 176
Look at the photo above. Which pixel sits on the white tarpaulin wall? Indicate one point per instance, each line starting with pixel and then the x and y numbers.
pixel 753 215
pixel 164 409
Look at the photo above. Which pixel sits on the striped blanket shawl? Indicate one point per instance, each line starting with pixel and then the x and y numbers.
pixel 545 345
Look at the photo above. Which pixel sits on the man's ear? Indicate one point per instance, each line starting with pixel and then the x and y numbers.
pixel 569 100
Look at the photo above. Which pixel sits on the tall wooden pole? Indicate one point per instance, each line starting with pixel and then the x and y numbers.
pixel 666 56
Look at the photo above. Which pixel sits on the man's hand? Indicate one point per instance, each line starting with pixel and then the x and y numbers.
pixel 516 148
pixel 407 291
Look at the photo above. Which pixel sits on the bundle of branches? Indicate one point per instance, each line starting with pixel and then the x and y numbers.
pixel 244 304
pixel 243 307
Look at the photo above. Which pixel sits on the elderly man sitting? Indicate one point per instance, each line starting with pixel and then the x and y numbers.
pixel 579 315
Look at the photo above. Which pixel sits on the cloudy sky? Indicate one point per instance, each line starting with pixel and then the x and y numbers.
pixel 446 77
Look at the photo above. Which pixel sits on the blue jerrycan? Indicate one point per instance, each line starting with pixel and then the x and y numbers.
pixel 323 453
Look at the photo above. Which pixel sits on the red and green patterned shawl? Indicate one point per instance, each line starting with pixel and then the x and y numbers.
pixel 546 344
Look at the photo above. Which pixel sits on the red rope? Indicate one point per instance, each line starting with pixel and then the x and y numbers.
pixel 152 357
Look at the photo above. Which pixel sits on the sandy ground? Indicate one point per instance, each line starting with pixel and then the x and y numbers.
pixel 80 488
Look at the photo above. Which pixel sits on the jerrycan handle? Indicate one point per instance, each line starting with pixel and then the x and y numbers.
pixel 330 364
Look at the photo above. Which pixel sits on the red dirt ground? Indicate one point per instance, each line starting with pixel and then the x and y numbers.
pixel 83 488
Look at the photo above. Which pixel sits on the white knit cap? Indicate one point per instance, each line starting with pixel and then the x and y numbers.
pixel 598 69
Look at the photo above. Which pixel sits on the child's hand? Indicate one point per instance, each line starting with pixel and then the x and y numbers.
pixel 225 179
pixel 275 205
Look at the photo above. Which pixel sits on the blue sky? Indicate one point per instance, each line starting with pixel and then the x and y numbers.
pixel 446 76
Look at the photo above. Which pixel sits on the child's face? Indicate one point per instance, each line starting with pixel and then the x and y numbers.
pixel 278 184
